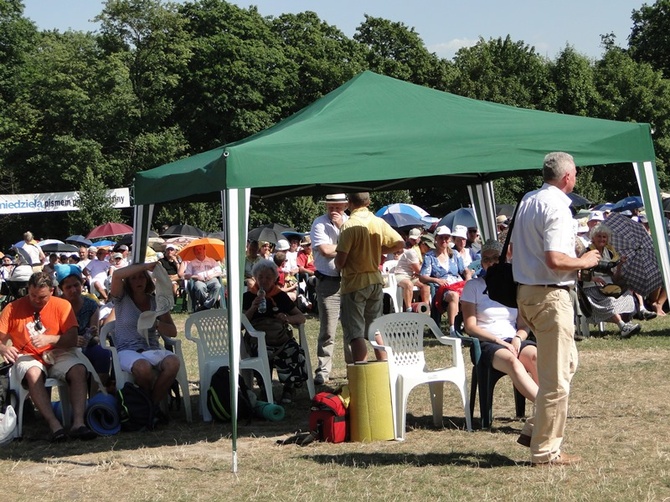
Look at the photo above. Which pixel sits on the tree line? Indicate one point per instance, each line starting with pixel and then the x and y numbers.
pixel 159 81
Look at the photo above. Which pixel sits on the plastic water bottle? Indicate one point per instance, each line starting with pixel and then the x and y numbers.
pixel 263 305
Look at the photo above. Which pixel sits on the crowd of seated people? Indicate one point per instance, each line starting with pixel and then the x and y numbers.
pixel 435 265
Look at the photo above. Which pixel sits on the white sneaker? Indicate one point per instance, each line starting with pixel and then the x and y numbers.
pixel 629 329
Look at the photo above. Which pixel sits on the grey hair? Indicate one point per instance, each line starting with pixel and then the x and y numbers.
pixel 600 228
pixel 556 165
pixel 28 236
pixel 492 245
pixel 262 265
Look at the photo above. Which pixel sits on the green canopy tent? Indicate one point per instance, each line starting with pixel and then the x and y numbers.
pixel 379 133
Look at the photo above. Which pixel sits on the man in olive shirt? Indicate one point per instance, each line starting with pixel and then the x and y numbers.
pixel 363 240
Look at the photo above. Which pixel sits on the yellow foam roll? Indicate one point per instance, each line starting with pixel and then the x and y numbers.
pixel 370 413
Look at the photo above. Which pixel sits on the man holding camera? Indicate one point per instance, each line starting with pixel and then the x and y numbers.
pixel 545 266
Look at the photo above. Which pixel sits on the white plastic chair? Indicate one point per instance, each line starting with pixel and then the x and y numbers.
pixel 107 332
pixel 402 337
pixel 391 287
pixel 213 349
pixel 63 392
pixel 308 361
pixel 21 394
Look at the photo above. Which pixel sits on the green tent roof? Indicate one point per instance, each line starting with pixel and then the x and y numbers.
pixel 376 132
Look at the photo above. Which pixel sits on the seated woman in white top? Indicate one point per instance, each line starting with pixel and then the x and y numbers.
pixel 407 273
pixel 501 331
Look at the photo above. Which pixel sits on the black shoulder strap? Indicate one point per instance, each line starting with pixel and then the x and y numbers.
pixel 503 255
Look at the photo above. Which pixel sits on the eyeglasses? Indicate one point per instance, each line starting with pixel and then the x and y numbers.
pixel 37 321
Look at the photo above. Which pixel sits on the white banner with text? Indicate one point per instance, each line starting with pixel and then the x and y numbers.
pixel 55 201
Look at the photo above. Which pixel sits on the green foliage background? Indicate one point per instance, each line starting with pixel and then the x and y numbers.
pixel 160 80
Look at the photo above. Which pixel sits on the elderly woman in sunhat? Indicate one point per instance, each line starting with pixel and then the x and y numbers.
pixel 443 269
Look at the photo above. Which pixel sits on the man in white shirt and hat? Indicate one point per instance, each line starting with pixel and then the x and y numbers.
pixel 325 234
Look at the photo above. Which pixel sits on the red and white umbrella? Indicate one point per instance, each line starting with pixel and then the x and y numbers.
pixel 109 230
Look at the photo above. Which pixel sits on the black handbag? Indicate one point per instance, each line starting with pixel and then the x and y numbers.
pixel 499 278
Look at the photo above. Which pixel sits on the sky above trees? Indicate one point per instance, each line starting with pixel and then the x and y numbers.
pixel 444 26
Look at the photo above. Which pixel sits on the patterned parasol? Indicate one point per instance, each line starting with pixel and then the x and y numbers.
pixel 640 270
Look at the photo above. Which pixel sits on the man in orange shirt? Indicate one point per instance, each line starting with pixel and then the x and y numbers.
pixel 43 331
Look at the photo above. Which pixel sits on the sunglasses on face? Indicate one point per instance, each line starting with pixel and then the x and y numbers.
pixel 37 321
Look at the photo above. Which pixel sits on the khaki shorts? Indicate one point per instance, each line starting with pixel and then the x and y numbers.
pixel 405 277
pixel 359 309
pixel 64 361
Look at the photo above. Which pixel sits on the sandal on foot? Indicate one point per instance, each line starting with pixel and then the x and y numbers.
pixel 83 433
pixel 58 436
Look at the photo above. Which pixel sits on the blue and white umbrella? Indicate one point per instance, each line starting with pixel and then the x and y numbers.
pixel 628 204
pixel 400 220
pixel 78 240
pixel 607 206
pixel 464 216
pixel 402 208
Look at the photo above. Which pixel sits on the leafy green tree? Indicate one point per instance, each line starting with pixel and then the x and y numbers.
pixel 58 113
pixel 395 50
pixel 649 40
pixel 633 91
pixel 296 212
pixel 17 35
pixel 147 49
pixel 206 216
pixel 504 71
pixel 325 58
pixel 149 37
pixel 94 205
pixel 573 79
pixel 239 79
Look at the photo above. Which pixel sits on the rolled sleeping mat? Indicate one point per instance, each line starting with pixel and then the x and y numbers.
pixel 370 410
pixel 58 410
pixel 102 415
pixel 421 308
pixel 269 411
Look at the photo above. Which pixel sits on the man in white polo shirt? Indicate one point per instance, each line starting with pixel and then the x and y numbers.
pixel 545 267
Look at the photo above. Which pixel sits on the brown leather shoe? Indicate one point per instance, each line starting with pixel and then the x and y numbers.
pixel 562 459
pixel 524 440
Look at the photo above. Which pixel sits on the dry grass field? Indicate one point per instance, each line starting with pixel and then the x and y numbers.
pixel 618 423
